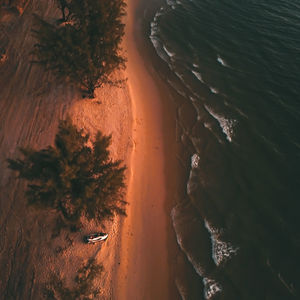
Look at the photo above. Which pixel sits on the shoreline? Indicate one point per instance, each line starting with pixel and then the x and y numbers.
pixel 148 264
pixel 145 225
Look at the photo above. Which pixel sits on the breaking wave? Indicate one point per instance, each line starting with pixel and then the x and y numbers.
pixel 213 90
pixel 198 76
pixel 222 61
pixel 211 288
pixel 182 222
pixel 230 92
pixel 170 54
pixel 195 160
pixel 221 251
pixel 161 50
pixel 227 125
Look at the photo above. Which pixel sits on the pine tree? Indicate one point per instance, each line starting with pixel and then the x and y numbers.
pixel 86 49
pixel 73 178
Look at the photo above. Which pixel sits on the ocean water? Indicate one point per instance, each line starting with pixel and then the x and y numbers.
pixel 237 64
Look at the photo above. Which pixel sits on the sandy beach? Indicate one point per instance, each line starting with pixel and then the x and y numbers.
pixel 31 105
pixel 206 124
pixel 147 239
pixel 136 258
pixel 143 272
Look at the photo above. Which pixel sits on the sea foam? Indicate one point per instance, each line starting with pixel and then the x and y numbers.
pixel 179 218
pixel 227 125
pixel 221 251
pixel 195 160
pixel 154 37
pixel 170 54
pixel 213 90
pixel 222 61
pixel 198 76
pixel 211 288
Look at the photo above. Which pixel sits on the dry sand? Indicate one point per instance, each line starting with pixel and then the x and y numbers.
pixel 31 104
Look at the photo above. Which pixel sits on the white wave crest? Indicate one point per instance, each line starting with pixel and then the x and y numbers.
pixel 182 290
pixel 157 44
pixel 211 288
pixel 171 2
pixel 180 76
pixel 175 215
pixel 198 76
pixel 192 185
pixel 227 125
pixel 170 54
pixel 195 160
pixel 222 61
pixel 213 90
pixel 159 50
pixel 221 251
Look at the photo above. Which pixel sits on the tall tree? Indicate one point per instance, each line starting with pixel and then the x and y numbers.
pixel 87 48
pixel 73 178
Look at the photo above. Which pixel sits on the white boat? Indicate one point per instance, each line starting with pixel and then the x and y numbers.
pixel 96 237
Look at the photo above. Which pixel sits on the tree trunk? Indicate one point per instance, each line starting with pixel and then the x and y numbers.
pixel 63 14
pixel 91 91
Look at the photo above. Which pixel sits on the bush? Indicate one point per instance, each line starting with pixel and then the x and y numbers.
pixel 73 178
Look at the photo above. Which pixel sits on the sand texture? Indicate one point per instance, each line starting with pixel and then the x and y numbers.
pixel 137 256
pixel 31 104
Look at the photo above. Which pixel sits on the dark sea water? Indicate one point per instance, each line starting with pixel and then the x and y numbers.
pixel 238 64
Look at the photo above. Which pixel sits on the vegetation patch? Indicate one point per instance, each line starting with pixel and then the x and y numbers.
pixel 84 45
pixel 74 178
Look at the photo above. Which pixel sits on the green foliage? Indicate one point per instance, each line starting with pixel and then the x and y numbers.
pixel 85 47
pixel 72 177
pixel 84 284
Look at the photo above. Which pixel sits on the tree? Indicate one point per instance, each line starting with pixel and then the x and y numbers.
pixel 85 48
pixel 73 178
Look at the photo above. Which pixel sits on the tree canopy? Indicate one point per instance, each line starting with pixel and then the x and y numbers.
pixel 72 177
pixel 84 45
